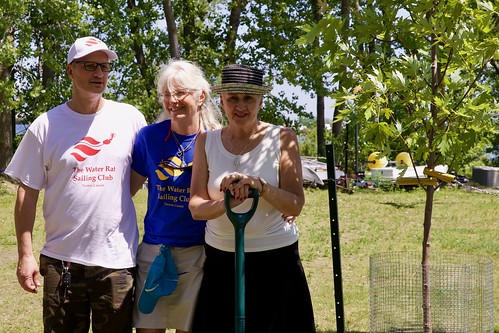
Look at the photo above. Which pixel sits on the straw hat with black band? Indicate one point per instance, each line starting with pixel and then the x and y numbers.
pixel 241 79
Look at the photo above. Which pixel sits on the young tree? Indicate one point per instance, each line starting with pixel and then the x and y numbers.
pixel 420 83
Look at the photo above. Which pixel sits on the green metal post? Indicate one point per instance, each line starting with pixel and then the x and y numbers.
pixel 335 239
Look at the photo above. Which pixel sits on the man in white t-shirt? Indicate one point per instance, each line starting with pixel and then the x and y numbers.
pixel 80 153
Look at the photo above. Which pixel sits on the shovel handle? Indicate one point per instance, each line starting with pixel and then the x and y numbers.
pixel 239 220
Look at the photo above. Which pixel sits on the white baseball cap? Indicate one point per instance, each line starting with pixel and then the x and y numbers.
pixel 86 45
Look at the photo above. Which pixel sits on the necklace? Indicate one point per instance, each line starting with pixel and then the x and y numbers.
pixel 237 158
pixel 181 152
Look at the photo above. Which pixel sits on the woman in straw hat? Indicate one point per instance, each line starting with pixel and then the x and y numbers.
pixel 163 154
pixel 250 154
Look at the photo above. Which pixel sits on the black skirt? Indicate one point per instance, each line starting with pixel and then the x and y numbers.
pixel 277 295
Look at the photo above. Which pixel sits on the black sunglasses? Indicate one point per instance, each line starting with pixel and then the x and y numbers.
pixel 91 66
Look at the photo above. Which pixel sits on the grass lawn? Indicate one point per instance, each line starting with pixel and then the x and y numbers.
pixel 370 222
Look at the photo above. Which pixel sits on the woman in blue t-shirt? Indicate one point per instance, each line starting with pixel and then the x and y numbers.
pixel 163 155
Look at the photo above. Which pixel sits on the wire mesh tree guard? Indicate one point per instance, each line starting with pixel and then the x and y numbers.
pixel 461 289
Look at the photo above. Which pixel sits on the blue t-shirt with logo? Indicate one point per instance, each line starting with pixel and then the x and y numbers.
pixel 165 158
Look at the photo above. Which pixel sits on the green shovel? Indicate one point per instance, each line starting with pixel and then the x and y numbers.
pixel 239 221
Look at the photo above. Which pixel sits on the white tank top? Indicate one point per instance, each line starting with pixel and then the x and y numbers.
pixel 267 229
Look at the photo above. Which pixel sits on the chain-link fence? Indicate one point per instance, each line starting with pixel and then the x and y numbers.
pixel 461 293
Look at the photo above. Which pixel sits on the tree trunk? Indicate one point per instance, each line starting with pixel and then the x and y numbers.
pixel 189 26
pixel 237 7
pixel 48 74
pixel 6 132
pixel 139 51
pixel 172 29
pixel 321 144
pixel 345 15
pixel 425 264
pixel 7 121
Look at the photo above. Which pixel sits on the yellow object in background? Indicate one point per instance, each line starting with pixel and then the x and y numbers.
pixel 375 161
pixel 403 159
pixel 446 177
pixel 431 181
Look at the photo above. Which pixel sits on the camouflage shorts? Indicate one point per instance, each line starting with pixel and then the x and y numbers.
pixel 105 295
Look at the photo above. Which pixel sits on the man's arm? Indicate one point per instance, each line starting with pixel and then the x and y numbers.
pixel 28 273
pixel 136 182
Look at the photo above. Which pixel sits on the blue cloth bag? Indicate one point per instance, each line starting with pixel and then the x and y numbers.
pixel 161 280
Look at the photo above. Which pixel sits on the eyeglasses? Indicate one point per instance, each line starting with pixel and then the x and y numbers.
pixel 170 163
pixel 178 95
pixel 91 66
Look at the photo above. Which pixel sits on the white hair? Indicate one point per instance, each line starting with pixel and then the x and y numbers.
pixel 185 74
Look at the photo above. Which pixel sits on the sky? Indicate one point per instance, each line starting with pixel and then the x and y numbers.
pixel 305 99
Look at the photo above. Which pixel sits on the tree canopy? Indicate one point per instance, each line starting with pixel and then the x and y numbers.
pixel 420 81
pixel 381 50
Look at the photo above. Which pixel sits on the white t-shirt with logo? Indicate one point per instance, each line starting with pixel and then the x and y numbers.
pixel 83 163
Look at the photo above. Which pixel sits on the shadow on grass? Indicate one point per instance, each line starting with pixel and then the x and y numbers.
pixel 398 206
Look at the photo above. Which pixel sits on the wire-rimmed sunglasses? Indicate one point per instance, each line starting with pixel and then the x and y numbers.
pixel 178 95
pixel 91 66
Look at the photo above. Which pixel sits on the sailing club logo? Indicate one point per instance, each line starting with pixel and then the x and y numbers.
pixel 89 146
pixel 172 167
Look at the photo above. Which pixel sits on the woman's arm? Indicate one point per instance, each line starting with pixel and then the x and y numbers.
pixel 288 198
pixel 200 203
